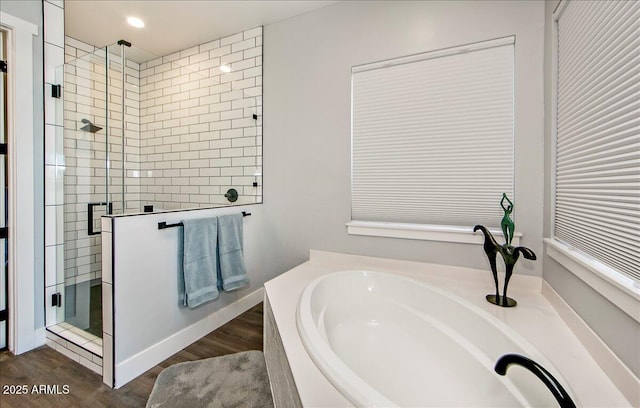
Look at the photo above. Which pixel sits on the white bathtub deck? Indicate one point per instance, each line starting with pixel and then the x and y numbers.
pixel 534 318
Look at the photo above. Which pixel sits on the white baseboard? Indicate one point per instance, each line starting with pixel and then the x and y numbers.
pixel 40 337
pixel 621 376
pixel 146 359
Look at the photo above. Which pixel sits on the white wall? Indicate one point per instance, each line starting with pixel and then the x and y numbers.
pixel 307 74
pixel 32 12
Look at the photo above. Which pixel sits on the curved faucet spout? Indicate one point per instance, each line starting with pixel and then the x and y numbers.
pixel 549 380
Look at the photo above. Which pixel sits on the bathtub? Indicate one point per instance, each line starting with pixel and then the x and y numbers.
pixel 384 340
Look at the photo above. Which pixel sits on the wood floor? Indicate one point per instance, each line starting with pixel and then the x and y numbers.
pixel 44 366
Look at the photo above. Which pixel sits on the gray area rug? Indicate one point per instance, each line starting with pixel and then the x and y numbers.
pixel 233 381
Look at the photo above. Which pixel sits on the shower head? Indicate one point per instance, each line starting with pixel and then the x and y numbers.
pixel 89 127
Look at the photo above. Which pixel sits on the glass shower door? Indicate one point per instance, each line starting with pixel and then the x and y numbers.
pixel 86 102
pixel 95 130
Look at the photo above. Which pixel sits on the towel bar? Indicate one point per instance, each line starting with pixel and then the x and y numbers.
pixel 163 224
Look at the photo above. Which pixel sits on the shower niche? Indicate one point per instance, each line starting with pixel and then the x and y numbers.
pixel 140 131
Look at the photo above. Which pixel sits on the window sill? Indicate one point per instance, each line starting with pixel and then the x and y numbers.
pixel 425 232
pixel 615 287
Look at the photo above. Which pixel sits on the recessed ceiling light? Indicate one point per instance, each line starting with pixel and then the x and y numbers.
pixel 135 21
pixel 225 68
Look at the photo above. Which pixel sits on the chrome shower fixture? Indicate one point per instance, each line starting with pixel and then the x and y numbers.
pixel 89 127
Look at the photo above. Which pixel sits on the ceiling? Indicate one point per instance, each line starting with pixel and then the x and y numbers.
pixel 172 26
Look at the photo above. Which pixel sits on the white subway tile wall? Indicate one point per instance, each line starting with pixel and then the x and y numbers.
pixel 198 137
pixel 54 56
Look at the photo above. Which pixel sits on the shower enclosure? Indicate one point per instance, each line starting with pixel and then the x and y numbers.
pixel 146 133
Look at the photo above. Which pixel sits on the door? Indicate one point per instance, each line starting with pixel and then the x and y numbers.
pixel 4 255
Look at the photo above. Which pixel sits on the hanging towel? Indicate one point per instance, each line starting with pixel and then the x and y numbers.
pixel 233 272
pixel 199 261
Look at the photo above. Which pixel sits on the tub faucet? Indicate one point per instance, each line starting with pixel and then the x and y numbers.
pixel 549 380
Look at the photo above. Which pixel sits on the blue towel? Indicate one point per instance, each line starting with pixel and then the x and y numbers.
pixel 233 272
pixel 199 261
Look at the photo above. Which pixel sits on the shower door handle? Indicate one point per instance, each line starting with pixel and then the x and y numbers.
pixel 90 206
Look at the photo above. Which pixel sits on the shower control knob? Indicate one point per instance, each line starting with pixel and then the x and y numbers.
pixel 232 195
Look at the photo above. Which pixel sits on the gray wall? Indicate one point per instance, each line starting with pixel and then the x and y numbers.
pixel 307 80
pixel 615 327
pixel 31 11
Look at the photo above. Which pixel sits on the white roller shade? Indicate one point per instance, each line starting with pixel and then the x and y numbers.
pixel 433 136
pixel 597 208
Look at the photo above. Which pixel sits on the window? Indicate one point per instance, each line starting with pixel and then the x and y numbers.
pixel 597 174
pixel 433 136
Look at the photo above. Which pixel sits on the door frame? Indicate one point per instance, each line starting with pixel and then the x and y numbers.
pixel 23 335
